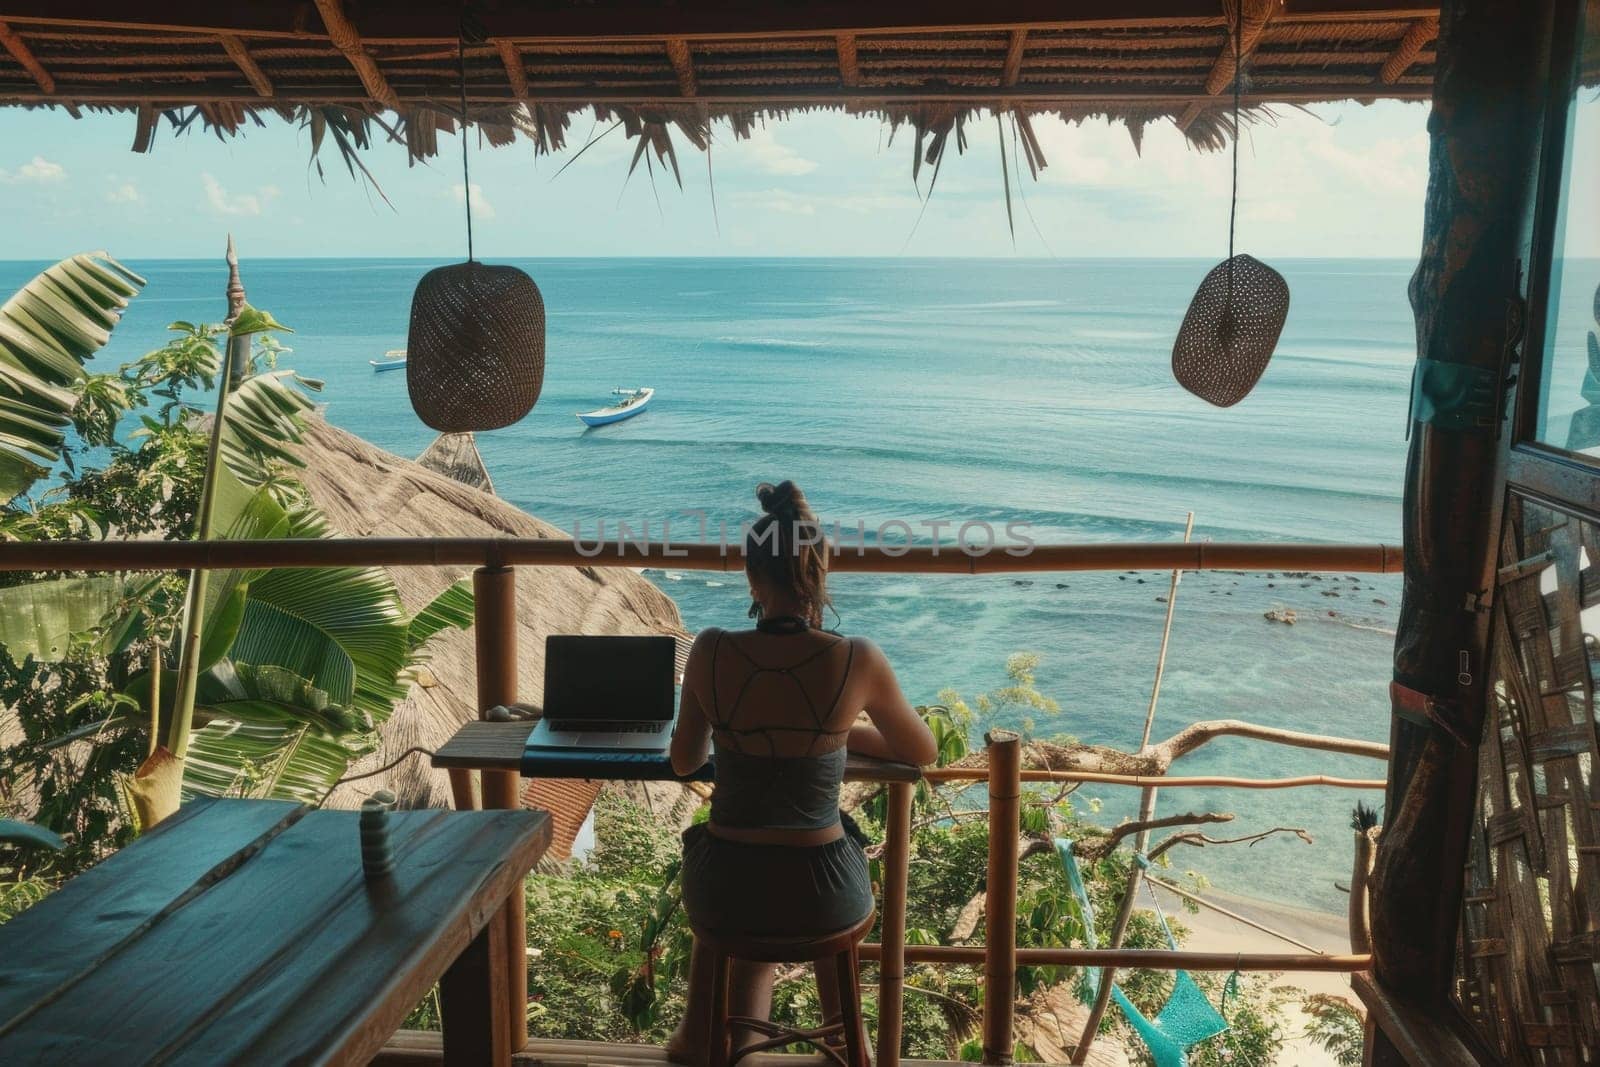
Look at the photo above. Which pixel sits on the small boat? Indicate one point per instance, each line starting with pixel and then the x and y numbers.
pixel 630 402
pixel 393 359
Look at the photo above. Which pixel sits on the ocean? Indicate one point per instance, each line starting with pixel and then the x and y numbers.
pixel 1030 392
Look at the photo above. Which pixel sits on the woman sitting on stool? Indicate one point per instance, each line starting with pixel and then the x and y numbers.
pixel 781 703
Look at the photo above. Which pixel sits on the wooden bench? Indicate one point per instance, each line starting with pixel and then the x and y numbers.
pixel 245 932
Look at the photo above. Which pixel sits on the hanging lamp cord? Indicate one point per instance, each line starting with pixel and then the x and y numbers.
pixel 1233 196
pixel 466 171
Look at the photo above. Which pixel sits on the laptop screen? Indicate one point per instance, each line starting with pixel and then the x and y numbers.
pixel 600 678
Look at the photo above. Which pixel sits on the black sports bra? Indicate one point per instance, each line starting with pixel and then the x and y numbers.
pixel 775 792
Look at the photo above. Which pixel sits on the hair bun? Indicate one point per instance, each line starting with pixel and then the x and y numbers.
pixel 779 500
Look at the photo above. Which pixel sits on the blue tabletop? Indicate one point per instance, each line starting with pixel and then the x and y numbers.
pixel 652 766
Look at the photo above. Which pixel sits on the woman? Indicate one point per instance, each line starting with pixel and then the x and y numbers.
pixel 782 703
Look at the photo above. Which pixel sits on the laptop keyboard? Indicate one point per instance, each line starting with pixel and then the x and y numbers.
pixel 642 726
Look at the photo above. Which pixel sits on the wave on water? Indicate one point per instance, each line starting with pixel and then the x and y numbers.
pixel 1001 304
pixel 771 342
pixel 1367 626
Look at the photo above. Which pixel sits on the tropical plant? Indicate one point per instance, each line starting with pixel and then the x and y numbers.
pixel 48 330
pixel 293 669
pixel 1337 1025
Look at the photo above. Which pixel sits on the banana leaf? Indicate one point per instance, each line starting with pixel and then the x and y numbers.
pixel 453 607
pixel 266 413
pixel 271 695
pixel 39 619
pixel 281 761
pixel 48 330
pixel 343 629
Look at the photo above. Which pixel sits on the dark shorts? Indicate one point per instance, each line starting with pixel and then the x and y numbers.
pixel 773 890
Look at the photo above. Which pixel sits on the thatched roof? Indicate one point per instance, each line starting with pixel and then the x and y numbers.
pixel 366 492
pixel 362 72
pixel 456 456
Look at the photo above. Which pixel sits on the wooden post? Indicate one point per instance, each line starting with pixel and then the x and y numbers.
pixel 1000 909
pixel 494 591
pixel 472 1001
pixel 892 963
pixel 1488 109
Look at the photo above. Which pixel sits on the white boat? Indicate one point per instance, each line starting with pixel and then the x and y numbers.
pixel 631 402
pixel 393 359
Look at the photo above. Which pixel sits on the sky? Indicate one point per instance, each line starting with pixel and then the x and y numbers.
pixel 1334 180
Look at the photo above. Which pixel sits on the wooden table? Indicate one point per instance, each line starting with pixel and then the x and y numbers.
pixel 502 746
pixel 244 932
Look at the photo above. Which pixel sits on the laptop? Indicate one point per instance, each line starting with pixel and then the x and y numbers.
pixel 607 693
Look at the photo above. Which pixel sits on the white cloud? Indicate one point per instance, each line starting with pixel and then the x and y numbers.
pixel 38 169
pixel 124 193
pixel 1390 165
pixel 481 208
pixel 226 203
pixel 772 157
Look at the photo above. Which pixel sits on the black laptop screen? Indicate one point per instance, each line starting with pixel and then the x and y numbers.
pixel 608 677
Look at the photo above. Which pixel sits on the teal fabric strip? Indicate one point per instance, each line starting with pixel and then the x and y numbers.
pixel 1454 396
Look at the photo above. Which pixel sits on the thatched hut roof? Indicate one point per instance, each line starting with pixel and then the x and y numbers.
pixel 456 456
pixel 366 492
pixel 366 71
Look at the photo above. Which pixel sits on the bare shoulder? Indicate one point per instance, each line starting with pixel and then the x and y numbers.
pixel 705 637
pixel 700 651
pixel 869 656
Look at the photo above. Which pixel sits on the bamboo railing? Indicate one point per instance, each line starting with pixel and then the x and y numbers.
pixel 564 552
pixel 494 582
pixel 999 955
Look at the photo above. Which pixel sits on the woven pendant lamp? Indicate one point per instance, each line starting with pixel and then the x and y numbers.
pixel 1237 314
pixel 475 352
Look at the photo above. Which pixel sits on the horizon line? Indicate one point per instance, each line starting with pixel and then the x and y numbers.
pixel 890 257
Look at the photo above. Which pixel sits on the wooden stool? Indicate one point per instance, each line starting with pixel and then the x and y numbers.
pixel 840 946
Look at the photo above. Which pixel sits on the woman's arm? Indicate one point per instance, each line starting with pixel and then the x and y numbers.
pixel 691 738
pixel 896 731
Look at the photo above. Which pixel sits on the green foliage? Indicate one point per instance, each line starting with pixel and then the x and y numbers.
pixel 298 666
pixel 48 330
pixel 1337 1025
pixel 1013 704
pixel 66 760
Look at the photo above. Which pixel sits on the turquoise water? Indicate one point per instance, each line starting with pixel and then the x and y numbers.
pixel 1023 391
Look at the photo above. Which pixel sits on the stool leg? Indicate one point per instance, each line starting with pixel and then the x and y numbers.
pixel 848 965
pixel 717 1036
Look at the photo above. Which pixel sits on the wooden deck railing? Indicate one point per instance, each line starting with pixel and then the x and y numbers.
pixel 564 552
pixel 999 955
pixel 495 585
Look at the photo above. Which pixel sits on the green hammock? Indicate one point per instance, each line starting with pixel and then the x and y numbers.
pixel 1185 1020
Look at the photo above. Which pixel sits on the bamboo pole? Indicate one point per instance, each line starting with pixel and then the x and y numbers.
pixel 891 963
pixel 999 952
pixel 155 696
pixel 235 364
pixel 1220 910
pixel 494 628
pixel 1134 959
pixel 1147 812
pixel 977 774
pixel 563 552
pixel 1166 639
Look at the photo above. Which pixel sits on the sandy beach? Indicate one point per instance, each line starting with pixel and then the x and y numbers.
pixel 1324 932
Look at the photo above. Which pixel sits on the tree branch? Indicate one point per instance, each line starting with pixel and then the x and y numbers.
pixel 1157 759
pixel 1190 837
pixel 1100 847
